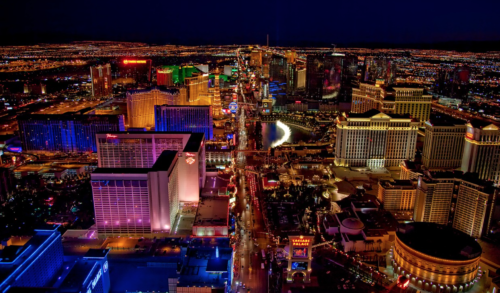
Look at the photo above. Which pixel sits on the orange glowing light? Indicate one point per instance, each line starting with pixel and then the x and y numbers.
pixel 469 135
pixel 126 61
pixel 190 161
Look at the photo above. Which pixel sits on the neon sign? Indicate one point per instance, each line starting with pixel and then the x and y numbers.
pixel 126 61
pixel 301 242
pixel 190 161
pixel 190 155
pixel 111 136
pixel 94 282
pixel 469 135
pixel 105 267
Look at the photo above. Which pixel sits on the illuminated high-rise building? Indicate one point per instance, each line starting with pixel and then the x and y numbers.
pixel 349 78
pixel 444 142
pixel 291 79
pixel 185 119
pixel 456 199
pixel 256 58
pixel 374 139
pixel 140 202
pixel 453 83
pixel 291 56
pixel 323 76
pixel 301 78
pixel 37 89
pixel 141 103
pixel 216 104
pixel 397 195
pixel 40 266
pixel 100 77
pixel 482 150
pixel 151 175
pixel 69 132
pixel 382 70
pixel 266 63
pixel 197 89
pixel 392 99
pixel 164 77
pixel 278 69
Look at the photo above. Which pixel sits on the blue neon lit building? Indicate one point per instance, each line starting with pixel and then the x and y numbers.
pixel 68 132
pixel 185 119
pixel 34 264
pixel 40 264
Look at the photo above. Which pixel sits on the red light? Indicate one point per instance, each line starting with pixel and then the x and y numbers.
pixel 111 136
pixel 403 282
pixel 190 155
pixel 298 102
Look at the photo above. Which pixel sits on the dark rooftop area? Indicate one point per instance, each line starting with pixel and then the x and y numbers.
pixel 194 142
pixel 121 170
pixel 96 253
pixel 439 241
pixel 165 160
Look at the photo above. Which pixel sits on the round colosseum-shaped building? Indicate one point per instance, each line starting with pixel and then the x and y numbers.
pixel 436 258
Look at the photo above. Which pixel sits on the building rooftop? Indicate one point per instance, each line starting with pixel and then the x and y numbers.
pixel 165 160
pixel 195 142
pixel 212 211
pixel 445 120
pixel 476 123
pixel 439 241
pixel 397 184
pixel 13 257
pixel 97 253
pixel 78 274
pixel 121 171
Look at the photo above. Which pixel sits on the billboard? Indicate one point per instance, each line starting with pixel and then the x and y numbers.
pixel 300 252
pixel 299 265
pixel 332 77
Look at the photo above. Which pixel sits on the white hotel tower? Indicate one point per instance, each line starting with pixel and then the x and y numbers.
pixel 374 139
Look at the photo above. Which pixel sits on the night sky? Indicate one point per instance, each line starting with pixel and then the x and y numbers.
pixel 288 22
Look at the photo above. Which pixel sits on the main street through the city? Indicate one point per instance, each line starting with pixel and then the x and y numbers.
pixel 254 269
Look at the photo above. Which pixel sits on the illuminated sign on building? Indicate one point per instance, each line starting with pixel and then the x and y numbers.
pixel 134 61
pixel 233 107
pixel 111 136
pixel 301 242
pixel 190 155
pixel 300 252
pixel 299 265
pixel 190 161
pixel 469 135
pixel 105 267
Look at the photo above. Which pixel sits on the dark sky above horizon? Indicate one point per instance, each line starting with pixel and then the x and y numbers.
pixel 228 22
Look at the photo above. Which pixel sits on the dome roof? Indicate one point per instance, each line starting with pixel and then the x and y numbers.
pixel 353 223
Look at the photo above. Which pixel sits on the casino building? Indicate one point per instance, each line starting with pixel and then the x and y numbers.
pixel 436 258
pixel 482 150
pixel 374 139
pixel 185 118
pixel 141 105
pixel 138 188
pixel 68 132
pixel 40 266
